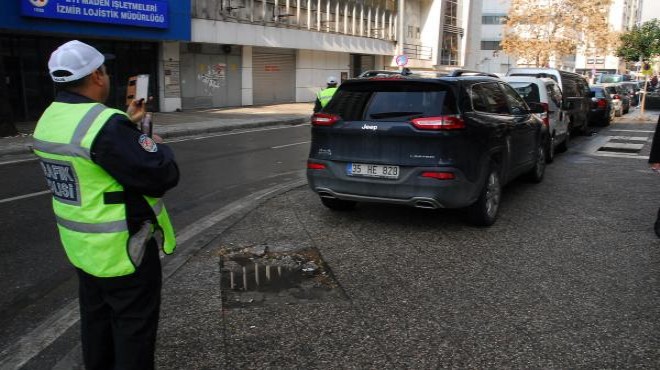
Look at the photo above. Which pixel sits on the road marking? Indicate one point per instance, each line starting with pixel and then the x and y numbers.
pixel 33 343
pixel 286 145
pixel 6 200
pixel 197 137
pixel 630 138
pixel 620 155
pixel 22 351
pixel 18 161
pixel 632 130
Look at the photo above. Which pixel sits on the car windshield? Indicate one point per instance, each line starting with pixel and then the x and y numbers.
pixel 392 101
pixel 528 91
pixel 611 78
pixel 598 93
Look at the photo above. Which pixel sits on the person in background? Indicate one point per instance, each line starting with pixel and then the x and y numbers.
pixel 323 97
pixel 106 179
pixel 654 162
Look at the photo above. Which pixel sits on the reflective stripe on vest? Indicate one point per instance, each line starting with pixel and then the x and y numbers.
pixel 325 95
pixel 94 234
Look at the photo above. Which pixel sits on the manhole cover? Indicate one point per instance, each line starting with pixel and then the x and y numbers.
pixel 263 274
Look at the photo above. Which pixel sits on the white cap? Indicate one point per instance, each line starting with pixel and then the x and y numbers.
pixel 332 80
pixel 74 57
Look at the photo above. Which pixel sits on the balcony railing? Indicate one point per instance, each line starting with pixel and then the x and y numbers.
pixel 375 19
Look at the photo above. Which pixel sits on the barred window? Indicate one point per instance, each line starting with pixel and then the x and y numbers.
pixel 490 45
pixel 493 19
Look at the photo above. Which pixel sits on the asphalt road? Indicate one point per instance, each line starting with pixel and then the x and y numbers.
pixel 36 278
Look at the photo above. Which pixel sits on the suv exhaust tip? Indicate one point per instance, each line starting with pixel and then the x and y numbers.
pixel 426 204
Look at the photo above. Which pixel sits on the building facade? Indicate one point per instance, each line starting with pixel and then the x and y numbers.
pixel 220 53
pixel 135 31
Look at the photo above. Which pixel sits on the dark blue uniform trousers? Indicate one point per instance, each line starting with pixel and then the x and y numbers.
pixel 119 316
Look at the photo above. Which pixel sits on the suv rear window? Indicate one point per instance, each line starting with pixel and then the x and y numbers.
pixel 392 101
pixel 528 91
pixel 598 93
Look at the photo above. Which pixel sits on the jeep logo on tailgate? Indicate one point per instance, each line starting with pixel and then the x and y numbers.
pixel 369 127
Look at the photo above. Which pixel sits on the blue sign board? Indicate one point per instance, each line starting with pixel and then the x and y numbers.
pixel 140 13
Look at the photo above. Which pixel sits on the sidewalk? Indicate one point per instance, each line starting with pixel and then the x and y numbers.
pixel 192 122
pixel 557 282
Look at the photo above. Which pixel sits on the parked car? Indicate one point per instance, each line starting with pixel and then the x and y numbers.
pixel 546 91
pixel 618 99
pixel 611 78
pixel 575 90
pixel 602 108
pixel 447 142
pixel 632 90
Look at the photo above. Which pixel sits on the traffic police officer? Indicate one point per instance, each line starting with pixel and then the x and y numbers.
pixel 323 97
pixel 107 178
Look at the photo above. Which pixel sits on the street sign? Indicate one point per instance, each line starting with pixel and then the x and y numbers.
pixel 401 60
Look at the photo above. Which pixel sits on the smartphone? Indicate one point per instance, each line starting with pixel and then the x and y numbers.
pixel 137 88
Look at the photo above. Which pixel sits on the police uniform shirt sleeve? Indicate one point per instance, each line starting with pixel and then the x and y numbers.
pixel 133 159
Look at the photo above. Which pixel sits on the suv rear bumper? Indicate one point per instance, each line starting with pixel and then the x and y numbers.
pixel 409 189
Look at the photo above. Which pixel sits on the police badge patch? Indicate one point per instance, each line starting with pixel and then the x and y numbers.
pixel 148 144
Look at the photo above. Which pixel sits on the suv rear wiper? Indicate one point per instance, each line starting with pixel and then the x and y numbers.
pixel 393 114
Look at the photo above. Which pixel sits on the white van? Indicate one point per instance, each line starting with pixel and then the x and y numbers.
pixel 546 91
pixel 575 89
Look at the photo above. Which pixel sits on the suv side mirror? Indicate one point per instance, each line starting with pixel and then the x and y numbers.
pixel 536 107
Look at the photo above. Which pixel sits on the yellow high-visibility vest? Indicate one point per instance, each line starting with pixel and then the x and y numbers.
pixel 94 234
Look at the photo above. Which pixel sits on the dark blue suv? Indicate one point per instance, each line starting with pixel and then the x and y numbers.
pixel 447 142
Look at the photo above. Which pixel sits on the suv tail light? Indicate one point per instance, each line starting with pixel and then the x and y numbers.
pixel 602 103
pixel 453 122
pixel 616 96
pixel 439 175
pixel 545 116
pixel 324 119
pixel 315 166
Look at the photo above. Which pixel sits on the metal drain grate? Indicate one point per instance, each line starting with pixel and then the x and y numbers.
pixel 258 275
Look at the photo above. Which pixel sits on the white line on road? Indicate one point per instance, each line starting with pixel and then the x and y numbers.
pixel 286 145
pixel 18 161
pixel 197 137
pixel 19 353
pixel 6 200
pixel 632 130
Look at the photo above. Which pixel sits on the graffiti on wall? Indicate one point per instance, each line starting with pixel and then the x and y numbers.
pixel 212 76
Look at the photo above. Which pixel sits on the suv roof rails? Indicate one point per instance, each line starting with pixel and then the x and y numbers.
pixel 460 72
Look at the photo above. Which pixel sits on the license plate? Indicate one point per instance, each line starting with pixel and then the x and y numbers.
pixel 372 170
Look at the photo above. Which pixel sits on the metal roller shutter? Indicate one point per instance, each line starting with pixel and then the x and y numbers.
pixel 274 77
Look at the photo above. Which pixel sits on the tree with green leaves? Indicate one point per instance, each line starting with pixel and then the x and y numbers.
pixel 640 43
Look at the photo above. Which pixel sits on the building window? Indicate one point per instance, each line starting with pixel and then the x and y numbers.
pixel 493 19
pixel 490 45
pixel 451 34
pixel 451 12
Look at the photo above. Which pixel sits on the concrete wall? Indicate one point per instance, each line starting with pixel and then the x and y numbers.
pixel 314 67
pixel 169 52
pixel 214 32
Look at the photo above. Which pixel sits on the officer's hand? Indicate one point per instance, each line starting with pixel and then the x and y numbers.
pixel 157 139
pixel 655 167
pixel 137 109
